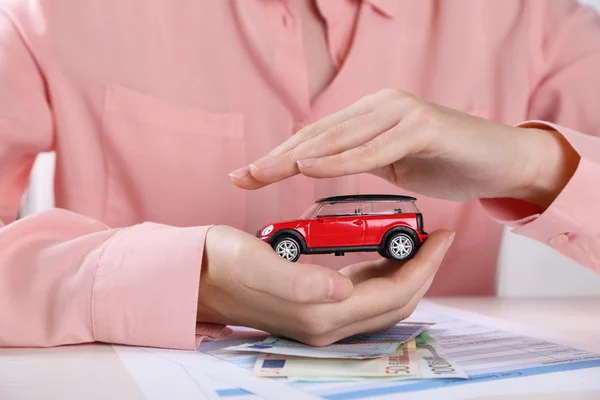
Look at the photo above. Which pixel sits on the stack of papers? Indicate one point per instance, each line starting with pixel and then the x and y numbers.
pixel 498 357
pixel 400 353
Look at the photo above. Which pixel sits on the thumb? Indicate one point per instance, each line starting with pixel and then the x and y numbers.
pixel 427 260
pixel 296 282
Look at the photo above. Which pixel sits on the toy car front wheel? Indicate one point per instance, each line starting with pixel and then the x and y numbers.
pixel 401 246
pixel 288 248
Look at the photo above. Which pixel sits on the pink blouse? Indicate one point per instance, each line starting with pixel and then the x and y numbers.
pixel 150 104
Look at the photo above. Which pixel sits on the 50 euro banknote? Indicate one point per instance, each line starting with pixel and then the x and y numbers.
pixel 403 362
pixel 433 362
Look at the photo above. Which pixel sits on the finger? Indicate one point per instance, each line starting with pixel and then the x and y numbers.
pixel 381 295
pixel 364 271
pixel 295 282
pixel 383 321
pixel 347 134
pixel 398 100
pixel 338 138
pixel 382 150
pixel 243 178
pixel 362 106
pixel 426 261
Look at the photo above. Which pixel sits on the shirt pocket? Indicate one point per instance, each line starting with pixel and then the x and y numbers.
pixel 169 163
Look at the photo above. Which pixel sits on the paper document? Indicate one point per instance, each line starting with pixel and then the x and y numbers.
pixel 490 351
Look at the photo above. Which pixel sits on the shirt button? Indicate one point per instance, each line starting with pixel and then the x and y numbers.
pixel 559 240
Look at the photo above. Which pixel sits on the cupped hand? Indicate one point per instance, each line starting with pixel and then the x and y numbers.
pixel 245 283
pixel 424 148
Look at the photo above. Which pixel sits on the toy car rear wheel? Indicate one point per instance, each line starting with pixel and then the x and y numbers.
pixel 401 246
pixel 287 248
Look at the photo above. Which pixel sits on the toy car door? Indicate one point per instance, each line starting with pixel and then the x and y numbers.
pixel 337 225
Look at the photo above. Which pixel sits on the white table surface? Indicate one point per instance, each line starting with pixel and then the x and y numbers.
pixel 95 372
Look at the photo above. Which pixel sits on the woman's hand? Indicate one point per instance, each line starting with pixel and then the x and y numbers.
pixel 424 148
pixel 245 283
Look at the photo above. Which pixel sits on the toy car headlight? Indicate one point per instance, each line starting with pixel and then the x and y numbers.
pixel 267 230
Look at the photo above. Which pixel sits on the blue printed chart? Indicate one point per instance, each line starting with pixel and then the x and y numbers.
pixel 485 348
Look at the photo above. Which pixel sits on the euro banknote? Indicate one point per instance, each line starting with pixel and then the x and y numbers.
pixel 422 358
pixel 402 363
pixel 433 362
pixel 377 344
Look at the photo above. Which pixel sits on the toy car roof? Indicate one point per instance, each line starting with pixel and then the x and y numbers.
pixel 366 197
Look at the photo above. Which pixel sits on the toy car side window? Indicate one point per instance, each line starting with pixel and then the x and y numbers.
pixel 339 209
pixel 366 207
pixel 382 207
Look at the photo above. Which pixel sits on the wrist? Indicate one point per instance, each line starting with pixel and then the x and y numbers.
pixel 207 292
pixel 549 163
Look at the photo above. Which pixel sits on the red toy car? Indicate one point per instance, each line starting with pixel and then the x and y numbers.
pixel 389 224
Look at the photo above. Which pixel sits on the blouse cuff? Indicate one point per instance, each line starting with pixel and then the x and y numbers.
pixel 146 288
pixel 210 331
pixel 570 223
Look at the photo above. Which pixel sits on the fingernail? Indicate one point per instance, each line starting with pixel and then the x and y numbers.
pixel 450 240
pixel 263 163
pixel 240 173
pixel 340 287
pixel 308 163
